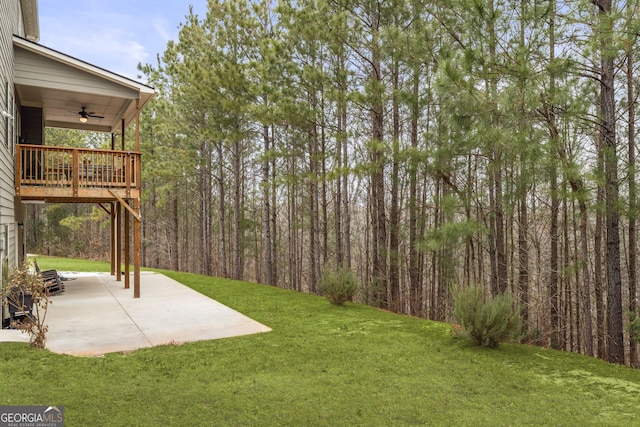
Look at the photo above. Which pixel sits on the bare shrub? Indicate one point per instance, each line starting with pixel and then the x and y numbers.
pixel 26 292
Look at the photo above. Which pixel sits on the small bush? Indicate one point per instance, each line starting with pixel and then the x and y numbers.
pixel 338 286
pixel 486 322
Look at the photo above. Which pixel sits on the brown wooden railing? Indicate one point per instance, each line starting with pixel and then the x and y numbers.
pixel 76 168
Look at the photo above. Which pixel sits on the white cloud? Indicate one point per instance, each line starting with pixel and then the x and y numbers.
pixel 89 34
pixel 161 25
pixel 115 35
pixel 112 50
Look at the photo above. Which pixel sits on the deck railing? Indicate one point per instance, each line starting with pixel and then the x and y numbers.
pixel 76 168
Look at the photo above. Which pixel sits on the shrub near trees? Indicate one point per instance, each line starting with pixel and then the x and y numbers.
pixel 338 285
pixel 486 321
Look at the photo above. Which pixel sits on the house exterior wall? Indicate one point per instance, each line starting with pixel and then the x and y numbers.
pixel 11 23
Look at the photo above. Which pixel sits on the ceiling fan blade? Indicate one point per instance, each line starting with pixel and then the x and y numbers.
pixel 84 114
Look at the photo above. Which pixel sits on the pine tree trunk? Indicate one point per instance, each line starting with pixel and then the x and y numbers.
pixel 493 251
pixel 339 232
pixel 266 210
pixel 553 187
pixel 414 270
pixel 346 212
pixel 394 213
pixel 607 137
pixel 586 279
pixel 222 216
pixel 274 220
pixel 205 209
pixel 380 280
pixel 174 255
pixel 522 185
pixel 323 184
pixel 433 276
pixel 314 232
pixel 523 255
pixel 292 228
pixel 566 294
pixel 554 294
pixel 237 213
pixel 597 262
pixel 497 231
pixel 633 209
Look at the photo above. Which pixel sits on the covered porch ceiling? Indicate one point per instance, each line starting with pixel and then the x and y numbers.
pixel 61 85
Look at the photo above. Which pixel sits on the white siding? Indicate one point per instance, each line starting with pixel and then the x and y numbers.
pixel 10 24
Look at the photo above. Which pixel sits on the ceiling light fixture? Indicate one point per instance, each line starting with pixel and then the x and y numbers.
pixel 83 119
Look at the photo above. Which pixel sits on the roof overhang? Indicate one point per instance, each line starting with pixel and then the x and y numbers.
pixel 61 85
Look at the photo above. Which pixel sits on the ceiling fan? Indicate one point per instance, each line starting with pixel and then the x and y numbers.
pixel 84 115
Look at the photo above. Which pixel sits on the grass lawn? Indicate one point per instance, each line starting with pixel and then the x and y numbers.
pixel 321 365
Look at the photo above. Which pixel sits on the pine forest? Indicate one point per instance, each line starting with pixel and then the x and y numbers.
pixel 424 145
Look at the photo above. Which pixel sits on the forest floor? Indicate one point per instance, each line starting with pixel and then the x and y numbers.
pixel 321 365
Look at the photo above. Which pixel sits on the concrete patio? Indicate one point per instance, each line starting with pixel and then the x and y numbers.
pixel 96 315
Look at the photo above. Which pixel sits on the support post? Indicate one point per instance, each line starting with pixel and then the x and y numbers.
pixel 112 215
pixel 126 247
pixel 136 249
pixel 118 242
pixel 137 134
pixel 138 218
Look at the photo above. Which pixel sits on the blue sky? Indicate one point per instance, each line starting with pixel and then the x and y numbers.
pixel 113 34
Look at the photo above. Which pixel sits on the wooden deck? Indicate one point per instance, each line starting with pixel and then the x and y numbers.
pixel 76 175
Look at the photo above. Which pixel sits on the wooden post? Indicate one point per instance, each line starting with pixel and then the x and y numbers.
pixel 137 141
pixel 122 134
pixel 136 249
pixel 126 248
pixel 18 162
pixel 113 238
pixel 138 219
pixel 128 171
pixel 118 242
pixel 76 172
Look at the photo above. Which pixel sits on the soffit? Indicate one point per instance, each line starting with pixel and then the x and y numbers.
pixel 61 85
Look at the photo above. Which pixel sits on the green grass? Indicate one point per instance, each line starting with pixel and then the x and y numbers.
pixel 321 365
pixel 71 264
